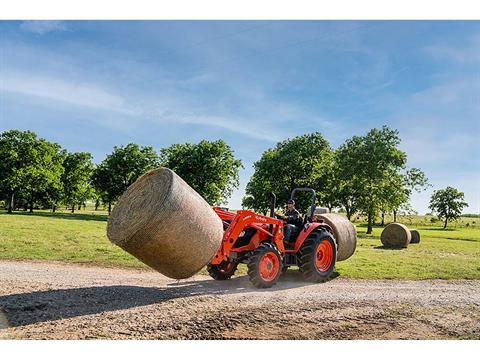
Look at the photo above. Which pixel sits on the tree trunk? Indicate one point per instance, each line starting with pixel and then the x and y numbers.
pixel 31 204
pixel 73 208
pixel 109 208
pixel 11 206
pixel 54 208
pixel 329 209
pixel 394 215
pixel 383 218
pixel 97 203
pixel 79 207
pixel 369 225
pixel 445 224
pixel 349 215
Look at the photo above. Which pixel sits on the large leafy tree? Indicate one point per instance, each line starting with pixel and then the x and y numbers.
pixel 120 169
pixel 76 178
pixel 448 203
pixel 292 163
pixel 209 167
pixel 42 177
pixel 16 152
pixel 369 161
pixel 30 168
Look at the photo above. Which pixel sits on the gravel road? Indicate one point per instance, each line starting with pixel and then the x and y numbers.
pixel 46 300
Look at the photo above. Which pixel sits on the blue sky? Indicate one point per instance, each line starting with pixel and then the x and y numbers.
pixel 90 85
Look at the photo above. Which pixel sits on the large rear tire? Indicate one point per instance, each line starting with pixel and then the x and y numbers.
pixel 222 271
pixel 317 256
pixel 265 266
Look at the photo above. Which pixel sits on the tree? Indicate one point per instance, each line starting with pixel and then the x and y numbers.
pixel 16 148
pixel 326 181
pixel 291 163
pixel 209 167
pixel 120 169
pixel 30 167
pixel 76 178
pixel 366 163
pixel 448 203
pixel 42 178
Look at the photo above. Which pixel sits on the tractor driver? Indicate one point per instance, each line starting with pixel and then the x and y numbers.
pixel 292 218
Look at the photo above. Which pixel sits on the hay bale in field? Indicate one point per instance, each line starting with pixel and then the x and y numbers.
pixel 415 237
pixel 345 233
pixel 395 235
pixel 166 224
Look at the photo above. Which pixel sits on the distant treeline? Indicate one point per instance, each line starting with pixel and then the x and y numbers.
pixel 367 174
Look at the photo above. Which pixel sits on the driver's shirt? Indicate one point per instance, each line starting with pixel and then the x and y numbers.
pixel 292 216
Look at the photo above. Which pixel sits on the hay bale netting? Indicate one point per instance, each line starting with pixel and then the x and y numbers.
pixel 415 237
pixel 345 233
pixel 166 224
pixel 395 235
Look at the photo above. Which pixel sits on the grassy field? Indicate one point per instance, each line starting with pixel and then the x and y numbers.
pixel 453 253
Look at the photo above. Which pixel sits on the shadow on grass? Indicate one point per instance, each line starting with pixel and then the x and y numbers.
pixel 439 229
pixel 88 217
pixel 42 306
pixel 383 247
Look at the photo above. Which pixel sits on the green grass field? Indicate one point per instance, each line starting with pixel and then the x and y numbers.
pixel 453 253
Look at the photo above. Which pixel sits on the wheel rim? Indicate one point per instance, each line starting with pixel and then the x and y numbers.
pixel 324 256
pixel 269 266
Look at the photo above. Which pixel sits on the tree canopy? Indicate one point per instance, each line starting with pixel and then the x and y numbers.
pixel 209 167
pixel 296 162
pixel 121 168
pixel 31 168
pixel 369 167
pixel 76 178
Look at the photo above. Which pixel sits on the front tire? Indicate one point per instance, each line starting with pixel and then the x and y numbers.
pixel 317 257
pixel 265 266
pixel 222 271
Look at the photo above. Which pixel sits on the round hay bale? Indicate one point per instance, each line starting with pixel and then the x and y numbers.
pixel 415 237
pixel 166 224
pixel 395 235
pixel 345 233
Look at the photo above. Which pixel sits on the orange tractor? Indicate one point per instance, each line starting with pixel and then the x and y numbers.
pixel 258 241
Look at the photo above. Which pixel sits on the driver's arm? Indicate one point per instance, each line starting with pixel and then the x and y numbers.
pixel 293 217
pixel 280 216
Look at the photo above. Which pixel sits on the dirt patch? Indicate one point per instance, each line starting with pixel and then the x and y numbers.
pixel 59 301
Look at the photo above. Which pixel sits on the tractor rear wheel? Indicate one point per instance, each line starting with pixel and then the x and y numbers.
pixel 317 256
pixel 222 271
pixel 265 266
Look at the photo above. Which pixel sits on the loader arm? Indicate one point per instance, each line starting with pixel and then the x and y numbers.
pixel 242 220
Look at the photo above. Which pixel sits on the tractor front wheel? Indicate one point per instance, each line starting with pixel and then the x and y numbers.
pixel 265 266
pixel 222 271
pixel 318 256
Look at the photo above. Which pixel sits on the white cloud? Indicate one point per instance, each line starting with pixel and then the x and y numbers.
pixel 96 97
pixel 469 54
pixel 74 93
pixel 41 27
